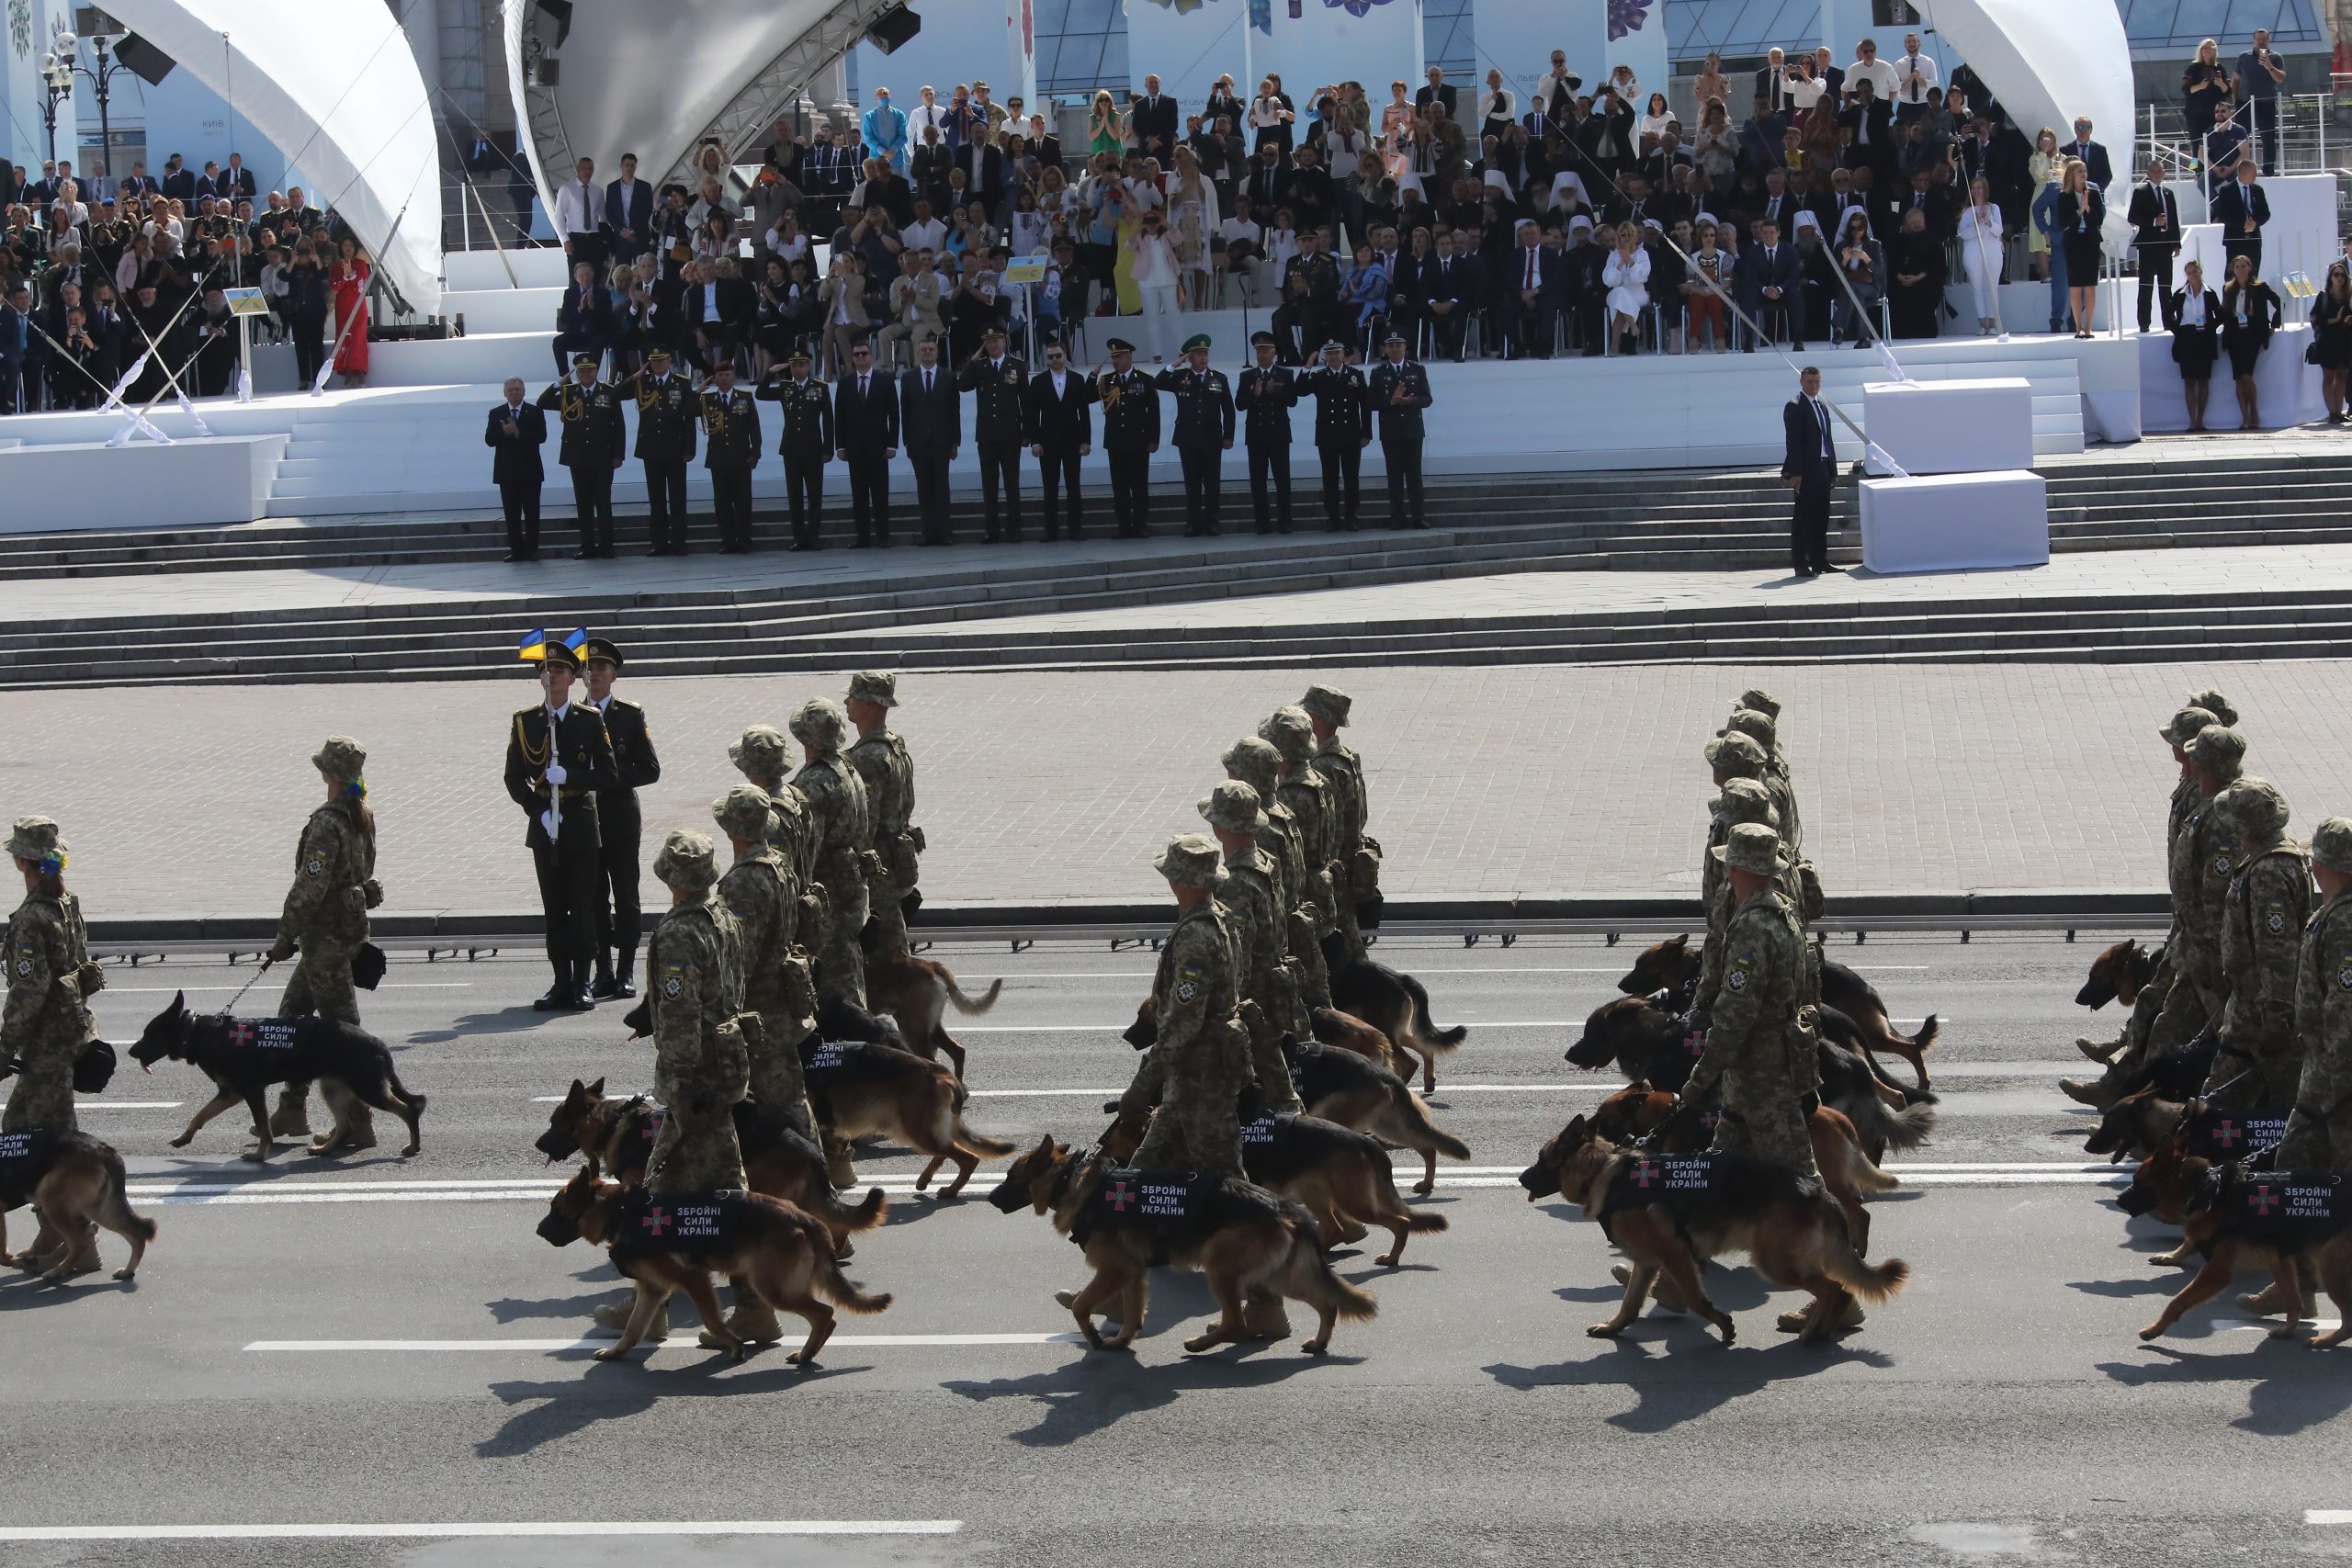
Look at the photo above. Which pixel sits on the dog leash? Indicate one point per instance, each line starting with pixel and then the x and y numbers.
pixel 231 1005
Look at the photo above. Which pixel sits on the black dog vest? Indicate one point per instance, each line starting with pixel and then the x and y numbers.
pixel 2291 1211
pixel 25 1159
pixel 829 1062
pixel 2222 1135
pixel 1170 1207
pixel 693 1224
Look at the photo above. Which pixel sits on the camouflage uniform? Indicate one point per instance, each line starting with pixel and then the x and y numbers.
pixel 1309 798
pixel 760 891
pixel 1197 1068
pixel 1269 998
pixel 2201 864
pixel 1742 800
pixel 2319 1132
pixel 696 1001
pixel 1355 859
pixel 839 822
pixel 2263 917
pixel 1259 765
pixel 46 1021
pixel 1762 728
pixel 1758 1050
pixel 888 774
pixel 325 919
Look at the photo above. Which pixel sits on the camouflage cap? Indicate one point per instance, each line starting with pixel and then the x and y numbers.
pixel 36 838
pixel 745 813
pixel 1290 732
pixel 341 759
pixel 2182 727
pixel 1754 723
pixel 1762 701
pixel 1191 861
pixel 1736 756
pixel 1328 704
pixel 687 861
pixel 1750 847
pixel 762 751
pixel 2218 751
pixel 877 686
pixel 1745 800
pixel 1254 762
pixel 2332 845
pixel 2252 808
pixel 2212 702
pixel 819 722
pixel 1234 807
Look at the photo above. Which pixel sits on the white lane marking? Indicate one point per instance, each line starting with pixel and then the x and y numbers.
pixel 484 1529
pixel 382 986
pixel 80 1105
pixel 872 1341
pixel 2317 1326
pixel 2327 1516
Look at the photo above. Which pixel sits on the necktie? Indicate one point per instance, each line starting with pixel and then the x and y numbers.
pixel 926 380
pixel 1530 269
pixel 863 385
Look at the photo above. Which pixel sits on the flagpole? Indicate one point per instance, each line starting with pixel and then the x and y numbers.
pixel 555 791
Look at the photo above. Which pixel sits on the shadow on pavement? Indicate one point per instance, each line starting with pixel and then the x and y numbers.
pixel 1675 1378
pixel 2286 1392
pixel 552 1411
pixel 1099 1388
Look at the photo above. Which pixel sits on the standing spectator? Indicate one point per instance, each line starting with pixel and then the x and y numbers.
pixel 583 322
pixel 1154 121
pixel 931 425
pixel 305 309
pixel 349 280
pixel 928 169
pixel 866 424
pixel 1809 468
pixel 2048 228
pixel 1342 430
pixel 1130 435
pixel 2156 236
pixel 1060 433
pixel 669 411
pixel 1157 275
pixel 2081 210
pixel 1438 91
pixel 2242 208
pixel 2332 332
pixel 1270 117
pixel 929 114
pixel 2091 154
pixel 1915 83
pixel 1203 431
pixel 1224 102
pixel 628 212
pixel 516 433
pixel 805 441
pixel 580 216
pixel 2250 313
pixel 593 444
pixel 731 422
pixel 914 310
pixel 2204 88
pixel 1103 131
pixel 885 131
pixel 1399 391
pixel 1263 395
pixel 842 297
pixel 2194 316
pixel 1497 107
pixel 1982 248
pixel 2041 173
pixel 2257 81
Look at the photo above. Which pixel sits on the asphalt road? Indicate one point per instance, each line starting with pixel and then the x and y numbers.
pixel 342 1347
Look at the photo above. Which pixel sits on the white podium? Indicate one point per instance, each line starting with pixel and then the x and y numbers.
pixel 1955 522
pixel 195 481
pixel 1951 427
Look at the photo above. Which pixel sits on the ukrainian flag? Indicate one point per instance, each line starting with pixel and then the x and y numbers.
pixel 534 644
pixel 576 639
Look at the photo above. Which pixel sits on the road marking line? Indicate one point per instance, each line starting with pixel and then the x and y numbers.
pixel 80 1105
pixel 2317 1326
pixel 382 986
pixel 482 1530
pixel 677 1342
pixel 2327 1516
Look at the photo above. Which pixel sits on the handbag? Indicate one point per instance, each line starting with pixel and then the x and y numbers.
pixel 2311 352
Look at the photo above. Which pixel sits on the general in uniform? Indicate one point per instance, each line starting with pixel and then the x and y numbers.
pixel 325 918
pixel 46 1022
pixel 999 383
pixel 620 824
pixel 1203 431
pixel 1130 435
pixel 558 760
pixel 1199 1065
pixel 668 409
pixel 1400 390
pixel 1264 394
pixel 888 772
pixel 837 814
pixel 1342 430
pixel 595 437
pixel 806 445
pixel 731 423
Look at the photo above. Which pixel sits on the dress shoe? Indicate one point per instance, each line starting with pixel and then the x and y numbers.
pixel 583 555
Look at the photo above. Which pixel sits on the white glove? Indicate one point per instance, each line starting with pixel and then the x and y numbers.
pixel 555 773
pixel 546 820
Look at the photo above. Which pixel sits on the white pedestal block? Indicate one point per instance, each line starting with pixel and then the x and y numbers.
pixel 1951 427
pixel 1955 522
pixel 190 483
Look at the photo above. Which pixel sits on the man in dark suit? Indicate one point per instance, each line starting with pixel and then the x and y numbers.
pixel 866 424
pixel 628 210
pixel 983 166
pixel 2093 155
pixel 1772 279
pixel 1154 118
pixel 2242 208
pixel 1447 295
pixel 1440 90
pixel 516 431
pixel 1535 289
pixel 179 180
pixel 558 760
pixel 1809 467
pixel 209 183
pixel 1060 433
pixel 2156 236
pixel 1000 385
pixel 1263 395
pixel 239 180
pixel 931 423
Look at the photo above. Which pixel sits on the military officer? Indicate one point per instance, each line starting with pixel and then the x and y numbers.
pixel 1195 1071
pixel 668 409
pixel 1758 1057
pixel 1259 765
pixel 1261 941
pixel 763 895
pixel 1130 435
pixel 1265 393
pixel 731 419
pixel 326 913
pixel 2262 920
pixel 2319 1131
pixel 1399 389
pixel 806 445
pixel 1342 430
pixel 558 760
pixel 620 825
pixel 999 383
pixel 1203 429
pixel 1357 881
pixel 50 981
pixel 595 437
pixel 839 819
pixel 881 760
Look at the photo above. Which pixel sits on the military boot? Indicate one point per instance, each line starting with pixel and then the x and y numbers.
pixel 1794 1320
pixel 1263 1317
pixel 838 1167
pixel 614 1317
pixel 625 971
pixel 601 987
pixel 753 1320
pixel 293 1117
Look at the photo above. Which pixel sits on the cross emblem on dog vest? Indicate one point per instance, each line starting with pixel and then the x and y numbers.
pixel 241 1034
pixel 656 1220
pixel 1121 1196
pixel 2265 1200
pixel 2225 1134
pixel 1644 1173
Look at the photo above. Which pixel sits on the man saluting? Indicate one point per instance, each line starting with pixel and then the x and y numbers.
pixel 558 757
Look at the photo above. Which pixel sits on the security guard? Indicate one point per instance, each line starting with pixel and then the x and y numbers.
pixel 558 760
pixel 1342 430
pixel 1266 392
pixel 1203 429
pixel 732 420
pixel 807 445
pixel 621 826
pixel 666 409
pixel 1400 391
pixel 1130 435
pixel 880 757
pixel 999 383
pixel 595 437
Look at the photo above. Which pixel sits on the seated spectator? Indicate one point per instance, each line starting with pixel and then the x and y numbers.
pixel 1705 291
pixel 1364 289
pixel 1916 278
pixel 584 320
pixel 1862 265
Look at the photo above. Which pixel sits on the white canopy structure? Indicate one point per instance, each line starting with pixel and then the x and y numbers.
pixel 333 85
pixel 2049 63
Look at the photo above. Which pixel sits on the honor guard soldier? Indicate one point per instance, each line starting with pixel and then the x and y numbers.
pixel 1203 430
pixel 999 383
pixel 881 759
pixel 1130 435
pixel 620 825
pixel 1400 391
pixel 559 761
pixel 806 446
pixel 596 438
pixel 668 409
pixel 1266 394
pixel 731 423
pixel 1342 430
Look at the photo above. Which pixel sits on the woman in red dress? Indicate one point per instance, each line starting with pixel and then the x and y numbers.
pixel 349 280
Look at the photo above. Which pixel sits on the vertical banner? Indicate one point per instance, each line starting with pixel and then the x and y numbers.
pixel 1633 34
pixel 1517 37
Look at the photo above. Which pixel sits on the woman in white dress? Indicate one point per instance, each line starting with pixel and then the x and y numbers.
pixel 1981 252
pixel 1155 273
pixel 1192 218
pixel 1626 275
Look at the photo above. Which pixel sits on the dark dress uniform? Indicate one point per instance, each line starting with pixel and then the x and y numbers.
pixel 1266 397
pixel 1059 425
pixel 1000 415
pixel 731 422
pixel 571 866
pixel 806 446
pixel 596 438
pixel 621 833
pixel 1400 392
pixel 1343 425
pixel 1203 429
pixel 667 407
pixel 1130 435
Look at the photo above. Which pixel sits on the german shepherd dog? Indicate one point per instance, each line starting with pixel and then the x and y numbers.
pixel 617 1135
pixel 1391 1001
pixel 2117 975
pixel 1791 1229
pixel 243 1058
pixel 1332 1027
pixel 2208 1200
pixel 883 1091
pixel 1252 1243
pixel 916 992
pixel 2133 1126
pixel 1672 966
pixel 75 1185
pixel 784 1255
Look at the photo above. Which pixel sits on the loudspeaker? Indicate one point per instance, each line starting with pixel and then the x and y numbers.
pixel 151 63
pixel 559 12
pixel 547 71
pixel 893 27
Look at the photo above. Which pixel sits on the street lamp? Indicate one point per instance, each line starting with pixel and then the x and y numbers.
pixel 102 75
pixel 56 84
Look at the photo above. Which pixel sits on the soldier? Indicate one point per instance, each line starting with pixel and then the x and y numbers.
pixel 1737 756
pixel 1738 801
pixel 805 444
pixel 764 895
pixel 761 756
pixel 2262 921
pixel 999 383
pixel 558 759
pixel 620 824
pixel 1310 797
pixel 1399 389
pixel 1762 728
pixel 2319 1131
pixel 731 421
pixel 1342 430
pixel 1752 1055
pixel 668 409
pixel 1195 1071
pixel 1203 429
pixel 51 979
pixel 1130 435
pixel 595 437
pixel 1357 880
pixel 2202 863
pixel 1259 765
pixel 881 760
pixel 1266 392
pixel 326 912
pixel 838 818
pixel 1261 931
